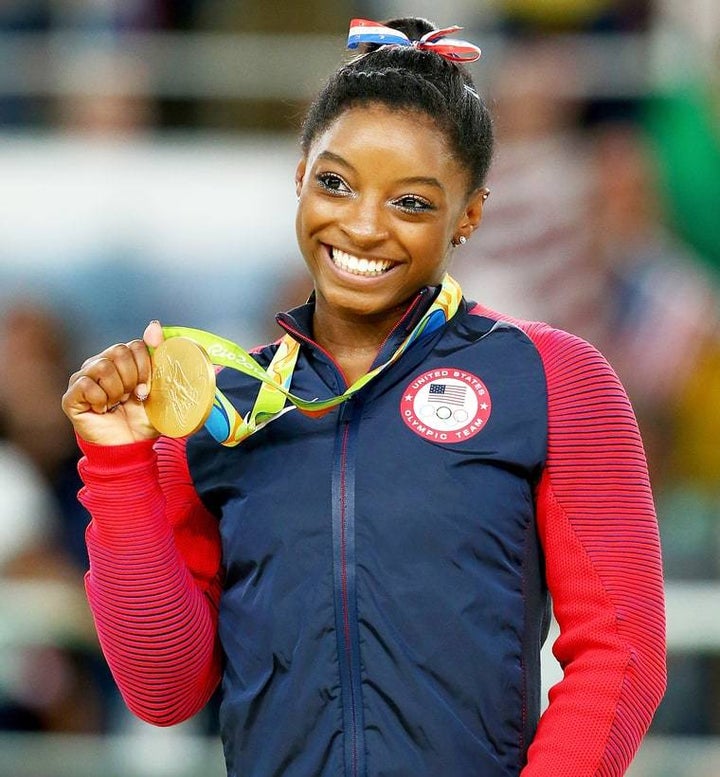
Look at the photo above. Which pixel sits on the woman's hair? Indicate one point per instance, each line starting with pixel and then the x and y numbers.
pixel 408 79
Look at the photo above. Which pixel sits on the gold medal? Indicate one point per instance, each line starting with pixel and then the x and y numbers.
pixel 182 388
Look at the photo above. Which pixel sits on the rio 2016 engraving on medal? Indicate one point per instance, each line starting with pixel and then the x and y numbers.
pixel 182 388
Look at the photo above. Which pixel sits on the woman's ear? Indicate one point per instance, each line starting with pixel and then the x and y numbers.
pixel 474 209
pixel 471 216
pixel 300 176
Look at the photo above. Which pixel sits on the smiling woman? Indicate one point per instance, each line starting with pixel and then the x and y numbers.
pixel 370 576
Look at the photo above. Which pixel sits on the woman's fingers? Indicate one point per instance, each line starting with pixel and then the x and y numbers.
pixel 113 380
pixel 143 365
pixel 85 394
pixel 153 334
pixel 152 337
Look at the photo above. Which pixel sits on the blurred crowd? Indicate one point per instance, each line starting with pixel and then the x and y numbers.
pixel 603 220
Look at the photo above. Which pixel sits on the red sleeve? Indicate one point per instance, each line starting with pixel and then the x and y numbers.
pixel 154 578
pixel 597 525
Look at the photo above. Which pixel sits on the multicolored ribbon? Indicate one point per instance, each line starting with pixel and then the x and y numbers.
pixel 230 428
pixel 366 31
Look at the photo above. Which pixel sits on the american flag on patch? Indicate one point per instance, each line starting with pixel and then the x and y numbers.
pixel 448 395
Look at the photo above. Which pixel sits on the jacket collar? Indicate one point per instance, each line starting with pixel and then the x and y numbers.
pixel 297 322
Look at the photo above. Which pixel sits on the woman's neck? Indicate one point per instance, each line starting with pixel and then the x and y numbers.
pixel 353 341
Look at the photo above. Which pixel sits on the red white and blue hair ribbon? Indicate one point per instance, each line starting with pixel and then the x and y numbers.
pixel 366 31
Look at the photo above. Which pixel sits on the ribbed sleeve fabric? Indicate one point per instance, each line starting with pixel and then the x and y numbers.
pixel 597 525
pixel 154 578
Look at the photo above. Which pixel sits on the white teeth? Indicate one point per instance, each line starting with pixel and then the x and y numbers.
pixel 356 266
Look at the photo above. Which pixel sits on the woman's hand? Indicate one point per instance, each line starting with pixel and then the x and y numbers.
pixel 104 399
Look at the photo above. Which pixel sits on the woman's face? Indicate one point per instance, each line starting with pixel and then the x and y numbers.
pixel 380 199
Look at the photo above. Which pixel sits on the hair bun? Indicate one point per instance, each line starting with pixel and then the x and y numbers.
pixel 413 26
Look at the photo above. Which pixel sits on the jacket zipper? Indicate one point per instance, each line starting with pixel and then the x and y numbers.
pixel 346 591
pixel 344 567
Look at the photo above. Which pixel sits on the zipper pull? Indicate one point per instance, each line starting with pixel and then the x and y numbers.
pixel 347 410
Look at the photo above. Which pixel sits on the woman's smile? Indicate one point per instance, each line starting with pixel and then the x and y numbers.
pixel 363 267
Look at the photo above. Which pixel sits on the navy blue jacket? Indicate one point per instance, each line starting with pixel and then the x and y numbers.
pixel 384 602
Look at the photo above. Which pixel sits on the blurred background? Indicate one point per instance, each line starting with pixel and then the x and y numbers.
pixel 147 151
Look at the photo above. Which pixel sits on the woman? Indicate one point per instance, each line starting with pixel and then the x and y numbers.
pixel 371 583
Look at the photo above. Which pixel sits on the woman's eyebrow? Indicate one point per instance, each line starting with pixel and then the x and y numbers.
pixel 423 179
pixel 332 157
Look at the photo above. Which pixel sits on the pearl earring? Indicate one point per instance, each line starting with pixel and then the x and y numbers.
pixel 459 241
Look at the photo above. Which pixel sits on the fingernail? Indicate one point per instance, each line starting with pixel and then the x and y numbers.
pixel 141 392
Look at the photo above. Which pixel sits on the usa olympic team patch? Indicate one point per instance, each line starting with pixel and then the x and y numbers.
pixel 446 405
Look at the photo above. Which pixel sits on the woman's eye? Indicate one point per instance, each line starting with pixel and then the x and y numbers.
pixel 333 183
pixel 413 204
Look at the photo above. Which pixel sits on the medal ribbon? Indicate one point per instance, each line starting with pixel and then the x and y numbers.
pixel 230 428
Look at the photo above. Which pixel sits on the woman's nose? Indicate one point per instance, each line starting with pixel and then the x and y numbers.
pixel 365 223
